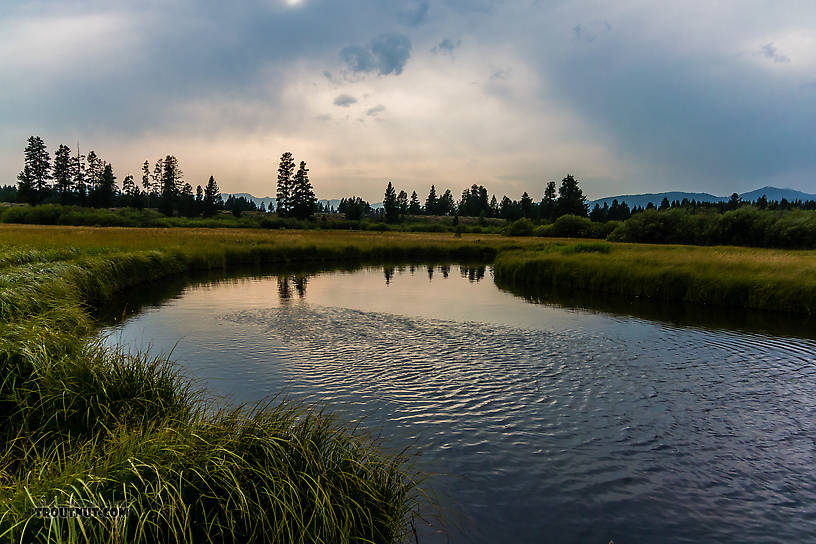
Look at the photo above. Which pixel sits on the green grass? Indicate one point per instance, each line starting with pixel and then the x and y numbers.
pixel 82 424
pixel 761 279
pixel 85 425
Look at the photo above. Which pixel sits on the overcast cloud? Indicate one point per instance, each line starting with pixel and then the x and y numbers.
pixel 629 96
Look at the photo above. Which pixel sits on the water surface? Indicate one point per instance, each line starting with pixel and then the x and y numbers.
pixel 537 422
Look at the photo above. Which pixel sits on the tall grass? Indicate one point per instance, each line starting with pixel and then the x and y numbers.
pixel 85 425
pixel 721 276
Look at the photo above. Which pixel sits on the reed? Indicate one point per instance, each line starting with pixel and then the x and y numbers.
pixel 732 277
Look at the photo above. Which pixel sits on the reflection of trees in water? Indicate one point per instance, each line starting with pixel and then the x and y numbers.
pixel 473 273
pixel 388 271
pixel 285 289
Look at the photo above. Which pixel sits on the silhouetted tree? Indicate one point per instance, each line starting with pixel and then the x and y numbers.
pixel 402 202
pixel 353 208
pixel 286 170
pixel 548 203
pixel 446 205
pixel 96 167
pixel 63 180
pixel 78 174
pixel 106 188
pixel 212 197
pixel 33 179
pixel 171 178
pixel 146 185
pixel 571 199
pixel 431 203
pixel 390 204
pixel 414 208
pixel 526 205
pixel 303 197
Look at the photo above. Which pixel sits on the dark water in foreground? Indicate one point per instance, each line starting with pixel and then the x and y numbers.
pixel 538 423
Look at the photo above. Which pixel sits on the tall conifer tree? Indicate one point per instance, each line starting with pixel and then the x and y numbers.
pixel 284 195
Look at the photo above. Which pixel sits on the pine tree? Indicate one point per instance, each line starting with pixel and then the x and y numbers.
pixel 494 207
pixel 96 167
pixel 414 208
pixel 302 195
pixel 390 204
pixel 548 202
pixel 33 179
pixel 446 204
pixel 571 199
pixel 402 202
pixel 146 185
pixel 106 188
pixel 212 194
pixel 171 179
pixel 129 187
pixel 78 172
pixel 283 197
pixel 62 172
pixel 526 205
pixel 431 203
pixel 158 189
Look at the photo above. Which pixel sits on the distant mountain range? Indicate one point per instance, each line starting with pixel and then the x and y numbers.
pixel 771 193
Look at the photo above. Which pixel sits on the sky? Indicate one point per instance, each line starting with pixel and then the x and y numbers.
pixel 629 96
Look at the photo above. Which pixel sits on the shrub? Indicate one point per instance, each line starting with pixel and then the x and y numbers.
pixel 519 227
pixel 571 226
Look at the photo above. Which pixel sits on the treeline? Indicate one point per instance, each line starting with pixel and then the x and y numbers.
pixel 89 181
pixel 474 202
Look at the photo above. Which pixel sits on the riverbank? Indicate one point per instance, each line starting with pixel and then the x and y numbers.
pixel 83 425
pixel 729 277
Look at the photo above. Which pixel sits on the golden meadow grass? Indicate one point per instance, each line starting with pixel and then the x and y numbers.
pixel 86 425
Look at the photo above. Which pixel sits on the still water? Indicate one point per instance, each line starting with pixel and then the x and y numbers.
pixel 536 422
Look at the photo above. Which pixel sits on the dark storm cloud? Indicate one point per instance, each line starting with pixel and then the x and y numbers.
pixel 386 54
pixel 691 95
pixel 688 119
pixel 156 55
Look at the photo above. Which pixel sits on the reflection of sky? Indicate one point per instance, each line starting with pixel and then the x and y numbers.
pixel 522 411
pixel 190 325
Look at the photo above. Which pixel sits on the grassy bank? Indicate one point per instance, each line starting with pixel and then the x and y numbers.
pixel 732 277
pixel 85 426
pixel 56 214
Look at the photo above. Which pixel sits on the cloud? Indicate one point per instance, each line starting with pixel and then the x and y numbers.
pixel 446 47
pixel 373 112
pixel 414 14
pixel 769 51
pixel 589 32
pixel 386 54
pixel 344 100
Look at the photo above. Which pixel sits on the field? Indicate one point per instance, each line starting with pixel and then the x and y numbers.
pixel 84 425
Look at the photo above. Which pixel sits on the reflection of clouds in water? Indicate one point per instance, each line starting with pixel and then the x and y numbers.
pixel 527 423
